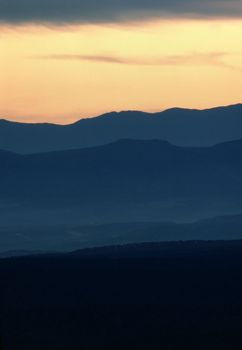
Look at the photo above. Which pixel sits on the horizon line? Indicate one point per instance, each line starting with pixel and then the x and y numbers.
pixel 10 120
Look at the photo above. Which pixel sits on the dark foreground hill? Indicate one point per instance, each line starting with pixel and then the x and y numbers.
pixel 155 296
pixel 183 127
pixel 129 180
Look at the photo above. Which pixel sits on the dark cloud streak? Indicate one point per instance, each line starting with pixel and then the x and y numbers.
pixel 96 11
pixel 94 58
pixel 212 58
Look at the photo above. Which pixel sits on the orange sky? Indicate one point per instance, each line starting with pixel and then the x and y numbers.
pixel 61 74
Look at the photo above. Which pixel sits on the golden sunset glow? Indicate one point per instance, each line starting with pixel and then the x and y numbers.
pixel 60 74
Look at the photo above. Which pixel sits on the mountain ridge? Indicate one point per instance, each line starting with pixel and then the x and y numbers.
pixel 122 112
pixel 126 180
pixel 233 145
pixel 181 127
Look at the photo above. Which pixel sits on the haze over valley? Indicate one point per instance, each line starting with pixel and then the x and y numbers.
pixel 47 198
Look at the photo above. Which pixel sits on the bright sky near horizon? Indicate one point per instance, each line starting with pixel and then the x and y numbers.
pixel 60 72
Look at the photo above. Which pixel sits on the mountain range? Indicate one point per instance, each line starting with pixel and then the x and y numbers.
pixel 128 180
pixel 182 127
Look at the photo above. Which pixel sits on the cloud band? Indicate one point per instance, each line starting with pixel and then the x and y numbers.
pixel 96 11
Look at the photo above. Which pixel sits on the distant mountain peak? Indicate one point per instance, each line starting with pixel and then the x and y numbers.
pixel 180 109
pixel 5 121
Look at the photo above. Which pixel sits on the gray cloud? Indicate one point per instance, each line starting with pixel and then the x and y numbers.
pixel 212 58
pixel 95 11
pixel 94 58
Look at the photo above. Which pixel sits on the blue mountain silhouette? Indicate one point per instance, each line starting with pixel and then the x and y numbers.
pixel 128 180
pixel 182 127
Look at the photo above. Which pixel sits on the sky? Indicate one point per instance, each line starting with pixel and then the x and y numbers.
pixel 65 60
